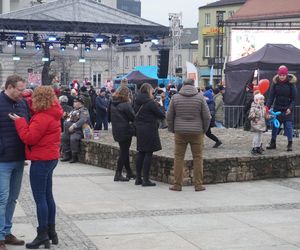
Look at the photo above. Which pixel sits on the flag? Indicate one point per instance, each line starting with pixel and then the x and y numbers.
pixel 192 72
pixel 211 75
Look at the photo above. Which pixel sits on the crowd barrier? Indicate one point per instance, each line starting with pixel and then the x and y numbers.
pixel 235 117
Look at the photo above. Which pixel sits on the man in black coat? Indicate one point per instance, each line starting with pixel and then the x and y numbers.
pixel 12 156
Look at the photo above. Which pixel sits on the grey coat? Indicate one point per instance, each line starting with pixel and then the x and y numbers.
pixel 188 112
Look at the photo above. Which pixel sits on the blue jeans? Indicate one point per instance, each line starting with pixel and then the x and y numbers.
pixel 288 130
pixel 11 174
pixel 41 185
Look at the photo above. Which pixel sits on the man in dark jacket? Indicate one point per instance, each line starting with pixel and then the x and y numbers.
pixel 12 156
pixel 101 110
pixel 73 134
pixel 282 96
pixel 189 118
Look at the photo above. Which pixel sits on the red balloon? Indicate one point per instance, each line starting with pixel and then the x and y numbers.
pixel 263 85
pixel 255 88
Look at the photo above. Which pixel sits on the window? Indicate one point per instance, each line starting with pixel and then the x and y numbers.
pixel 230 13
pixel 142 60
pixel 127 61
pixel 133 61
pixel 156 59
pixel 207 19
pixel 218 47
pixel 179 61
pixel 206 47
pixel 149 60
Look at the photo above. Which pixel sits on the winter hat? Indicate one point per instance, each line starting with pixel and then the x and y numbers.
pixel 63 98
pixel 258 97
pixel 103 89
pixel 83 89
pixel 283 70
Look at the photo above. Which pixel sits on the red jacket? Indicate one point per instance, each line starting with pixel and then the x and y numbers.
pixel 42 135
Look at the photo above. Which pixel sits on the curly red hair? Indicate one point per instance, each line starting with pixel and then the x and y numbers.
pixel 43 98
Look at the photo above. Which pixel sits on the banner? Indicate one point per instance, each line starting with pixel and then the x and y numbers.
pixel 192 72
pixel 211 75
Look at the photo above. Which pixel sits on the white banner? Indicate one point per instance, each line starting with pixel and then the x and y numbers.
pixel 245 42
pixel 192 72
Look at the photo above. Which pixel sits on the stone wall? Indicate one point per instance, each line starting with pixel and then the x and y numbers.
pixel 215 170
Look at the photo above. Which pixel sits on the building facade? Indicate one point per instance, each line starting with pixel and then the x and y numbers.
pixel 131 6
pixel 212 38
pixel 147 54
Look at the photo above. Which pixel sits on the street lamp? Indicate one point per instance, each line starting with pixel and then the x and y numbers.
pixel 220 25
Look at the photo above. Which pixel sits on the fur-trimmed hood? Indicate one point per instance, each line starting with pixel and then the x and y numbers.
pixel 291 79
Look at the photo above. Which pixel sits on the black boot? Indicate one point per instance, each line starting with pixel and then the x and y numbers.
pixel 66 156
pixel 41 239
pixel 289 146
pixel 52 234
pixel 138 181
pixel 120 177
pixel 259 150
pixel 74 158
pixel 253 151
pixel 272 144
pixel 130 175
pixel 148 183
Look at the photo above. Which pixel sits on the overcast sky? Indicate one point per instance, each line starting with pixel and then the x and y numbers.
pixel 158 10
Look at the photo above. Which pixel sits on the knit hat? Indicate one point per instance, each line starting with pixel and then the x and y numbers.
pixel 283 70
pixel 83 89
pixel 103 89
pixel 258 97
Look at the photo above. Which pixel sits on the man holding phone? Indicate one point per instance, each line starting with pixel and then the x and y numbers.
pixel 12 156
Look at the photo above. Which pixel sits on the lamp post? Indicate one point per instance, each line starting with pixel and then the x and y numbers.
pixel 220 25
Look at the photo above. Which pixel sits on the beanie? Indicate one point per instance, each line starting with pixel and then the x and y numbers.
pixel 282 70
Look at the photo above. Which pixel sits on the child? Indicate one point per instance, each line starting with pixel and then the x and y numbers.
pixel 257 116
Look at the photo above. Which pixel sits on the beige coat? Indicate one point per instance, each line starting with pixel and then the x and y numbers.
pixel 257 115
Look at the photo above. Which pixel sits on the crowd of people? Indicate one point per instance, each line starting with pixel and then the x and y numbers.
pixel 47 124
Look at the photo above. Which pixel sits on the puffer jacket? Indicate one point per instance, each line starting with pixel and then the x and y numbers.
pixel 188 112
pixel 42 135
pixel 283 95
pixel 11 146
pixel 120 114
pixel 257 117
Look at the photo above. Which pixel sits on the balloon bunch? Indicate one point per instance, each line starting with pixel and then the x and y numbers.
pixel 263 86
pixel 274 119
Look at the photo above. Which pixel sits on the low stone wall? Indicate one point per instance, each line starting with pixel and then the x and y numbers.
pixel 216 170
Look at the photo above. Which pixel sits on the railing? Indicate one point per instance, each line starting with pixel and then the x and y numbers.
pixel 235 117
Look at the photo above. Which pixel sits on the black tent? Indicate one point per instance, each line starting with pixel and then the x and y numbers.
pixel 138 78
pixel 266 60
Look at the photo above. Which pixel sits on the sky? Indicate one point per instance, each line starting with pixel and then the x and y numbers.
pixel 158 10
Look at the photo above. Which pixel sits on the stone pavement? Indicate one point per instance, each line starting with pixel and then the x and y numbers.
pixel 93 212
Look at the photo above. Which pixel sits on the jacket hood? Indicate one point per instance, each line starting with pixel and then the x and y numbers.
pixel 291 79
pixel 85 94
pixel 188 90
pixel 208 94
pixel 142 98
pixel 55 110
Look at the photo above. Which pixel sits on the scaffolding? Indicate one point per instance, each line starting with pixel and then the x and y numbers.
pixel 175 23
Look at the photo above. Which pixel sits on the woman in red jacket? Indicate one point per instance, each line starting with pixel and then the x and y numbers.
pixel 42 139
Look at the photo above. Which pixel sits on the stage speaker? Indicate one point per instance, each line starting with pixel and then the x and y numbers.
pixel 163 63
